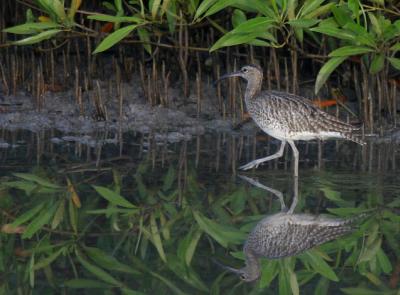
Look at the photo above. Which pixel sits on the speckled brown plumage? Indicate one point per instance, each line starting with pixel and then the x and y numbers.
pixel 289 116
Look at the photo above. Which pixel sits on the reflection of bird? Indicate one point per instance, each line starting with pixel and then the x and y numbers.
pixel 287 117
pixel 287 234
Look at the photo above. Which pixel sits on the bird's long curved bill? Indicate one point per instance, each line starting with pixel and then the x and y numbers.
pixel 228 268
pixel 234 74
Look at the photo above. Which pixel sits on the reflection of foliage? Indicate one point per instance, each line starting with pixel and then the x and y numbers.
pixel 154 231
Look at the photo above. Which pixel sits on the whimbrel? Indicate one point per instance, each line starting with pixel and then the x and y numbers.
pixel 286 233
pixel 287 117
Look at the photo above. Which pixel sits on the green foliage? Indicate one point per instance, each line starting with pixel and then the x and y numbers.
pixel 109 243
pixel 349 28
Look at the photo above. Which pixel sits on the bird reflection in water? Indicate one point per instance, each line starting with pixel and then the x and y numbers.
pixel 287 233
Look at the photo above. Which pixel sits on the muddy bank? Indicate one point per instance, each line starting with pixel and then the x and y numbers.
pixel 180 120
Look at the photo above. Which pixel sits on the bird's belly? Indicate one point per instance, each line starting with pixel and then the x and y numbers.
pixel 283 133
pixel 315 135
pixel 274 130
pixel 277 133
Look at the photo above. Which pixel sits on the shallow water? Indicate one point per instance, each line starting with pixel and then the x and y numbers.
pixel 146 215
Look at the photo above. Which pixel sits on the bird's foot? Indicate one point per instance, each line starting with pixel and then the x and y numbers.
pixel 252 164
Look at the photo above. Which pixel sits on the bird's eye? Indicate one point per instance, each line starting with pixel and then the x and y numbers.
pixel 243 277
pixel 245 70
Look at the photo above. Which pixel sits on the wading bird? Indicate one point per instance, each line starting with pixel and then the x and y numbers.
pixel 287 117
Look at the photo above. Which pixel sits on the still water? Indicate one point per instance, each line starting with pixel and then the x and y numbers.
pixel 141 214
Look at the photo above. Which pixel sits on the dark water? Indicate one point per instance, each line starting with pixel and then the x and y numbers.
pixel 146 216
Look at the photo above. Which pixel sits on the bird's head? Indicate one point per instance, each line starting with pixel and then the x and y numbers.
pixel 249 273
pixel 249 73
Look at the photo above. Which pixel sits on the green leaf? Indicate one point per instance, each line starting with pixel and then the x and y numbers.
pixel 37 223
pixel 36 179
pixel 98 272
pixel 37 38
pixel 86 284
pixel 350 50
pixel 245 32
pixel 192 247
pixel 377 63
pixel 169 179
pixel 171 16
pixel 395 62
pixel 319 265
pixel 167 282
pixel 375 24
pixel 73 216
pixel 203 7
pixel 113 197
pixel 218 6
pixel 238 17
pixel 370 251
pixel 115 19
pixel 354 6
pixel 154 8
pixel 27 215
pixel 109 6
pixel 342 15
pixel 114 38
pixel 186 273
pixel 156 238
pixel 26 186
pixel 188 245
pixel 360 291
pixel 303 23
pixel 46 261
pixel 223 234
pixel 335 32
pixel 294 285
pixel 107 261
pixel 384 261
pixel 324 9
pixel 363 36
pixel 59 215
pixel 284 279
pixel 30 18
pixel 310 6
pixel 58 8
pixel 269 272
pixel 118 5
pixel 31 28
pixel 327 70
pixel 322 287
pixel 112 210
pixel 373 279
pixel 395 47
pixel 144 36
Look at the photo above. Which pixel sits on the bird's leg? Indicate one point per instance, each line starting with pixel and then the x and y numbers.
pixel 277 193
pixel 257 162
pixel 296 157
pixel 295 195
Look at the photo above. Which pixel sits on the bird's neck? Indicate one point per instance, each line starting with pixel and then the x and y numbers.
pixel 253 88
pixel 252 265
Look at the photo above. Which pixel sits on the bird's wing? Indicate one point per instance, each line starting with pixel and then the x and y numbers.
pixel 284 236
pixel 309 113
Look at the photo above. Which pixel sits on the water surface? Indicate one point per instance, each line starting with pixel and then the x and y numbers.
pixel 145 215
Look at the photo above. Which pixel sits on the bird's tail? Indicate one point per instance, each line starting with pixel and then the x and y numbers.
pixel 355 139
